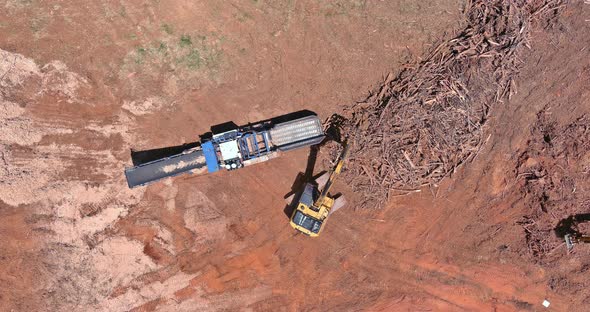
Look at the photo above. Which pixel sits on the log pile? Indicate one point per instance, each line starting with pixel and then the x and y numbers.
pixel 419 126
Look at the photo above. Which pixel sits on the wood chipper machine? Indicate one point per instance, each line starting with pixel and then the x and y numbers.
pixel 232 149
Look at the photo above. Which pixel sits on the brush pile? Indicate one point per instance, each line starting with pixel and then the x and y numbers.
pixel 418 126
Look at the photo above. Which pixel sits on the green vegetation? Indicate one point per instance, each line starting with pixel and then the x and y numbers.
pixel 193 52
pixel 199 53
pixel 140 56
pixel 38 23
pixel 167 29
pixel 193 59
pixel 243 16
pixel 162 48
pixel 342 7
pixel 185 41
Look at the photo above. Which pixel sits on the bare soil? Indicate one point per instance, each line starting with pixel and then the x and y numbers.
pixel 84 83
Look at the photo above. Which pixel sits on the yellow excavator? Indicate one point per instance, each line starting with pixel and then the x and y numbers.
pixel 314 207
pixel 572 239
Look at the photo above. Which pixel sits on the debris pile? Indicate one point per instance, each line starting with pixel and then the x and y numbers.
pixel 421 124
pixel 550 172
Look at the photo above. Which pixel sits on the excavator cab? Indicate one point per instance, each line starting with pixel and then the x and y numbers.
pixel 307 218
pixel 314 207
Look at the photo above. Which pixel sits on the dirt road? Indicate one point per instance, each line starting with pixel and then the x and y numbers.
pixel 83 83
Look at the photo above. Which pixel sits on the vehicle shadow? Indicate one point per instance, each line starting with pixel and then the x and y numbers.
pixel 569 224
pixel 142 157
pixel 333 133
pixel 301 179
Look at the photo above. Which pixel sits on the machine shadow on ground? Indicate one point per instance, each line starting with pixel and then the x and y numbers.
pixel 302 177
pixel 569 225
pixel 142 157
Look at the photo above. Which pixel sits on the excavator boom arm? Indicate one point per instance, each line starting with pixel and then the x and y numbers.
pixel 335 171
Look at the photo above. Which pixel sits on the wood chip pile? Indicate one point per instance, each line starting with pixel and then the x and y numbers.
pixel 421 124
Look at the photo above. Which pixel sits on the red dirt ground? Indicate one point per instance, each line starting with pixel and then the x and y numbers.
pixel 147 74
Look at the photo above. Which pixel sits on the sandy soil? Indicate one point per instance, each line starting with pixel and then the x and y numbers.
pixel 82 84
